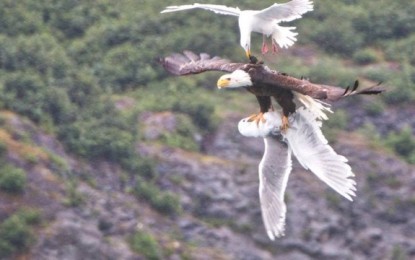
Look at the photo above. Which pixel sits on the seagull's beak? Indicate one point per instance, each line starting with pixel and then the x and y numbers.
pixel 248 53
pixel 223 82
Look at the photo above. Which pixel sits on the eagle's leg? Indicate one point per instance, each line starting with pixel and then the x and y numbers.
pixel 264 48
pixel 264 104
pixel 286 100
pixel 257 118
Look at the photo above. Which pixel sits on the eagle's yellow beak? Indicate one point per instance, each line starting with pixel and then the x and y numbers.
pixel 223 82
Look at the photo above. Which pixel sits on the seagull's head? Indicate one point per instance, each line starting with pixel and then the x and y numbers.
pixel 236 79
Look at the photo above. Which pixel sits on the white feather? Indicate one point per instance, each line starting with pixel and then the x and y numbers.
pixel 311 149
pixel 317 107
pixel 262 21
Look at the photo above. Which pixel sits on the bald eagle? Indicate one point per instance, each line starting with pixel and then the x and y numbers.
pixel 307 143
pixel 262 21
pixel 265 83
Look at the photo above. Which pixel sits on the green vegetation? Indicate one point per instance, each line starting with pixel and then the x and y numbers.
pixel 163 201
pixel 145 244
pixel 12 179
pixel 73 197
pixel 403 143
pixel 16 232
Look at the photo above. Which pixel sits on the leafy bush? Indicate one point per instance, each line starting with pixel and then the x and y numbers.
pixel 12 179
pixel 339 39
pixel 366 56
pixel 104 133
pixel 401 49
pixel 123 68
pixel 40 52
pixel 202 114
pixel 19 18
pixel 73 197
pixel 15 235
pixel 403 86
pixel 183 135
pixel 403 143
pixel 24 93
pixel 374 108
pixel 143 167
pixel 164 202
pixel 374 20
pixel 145 244
pixel 332 71
pixel 378 73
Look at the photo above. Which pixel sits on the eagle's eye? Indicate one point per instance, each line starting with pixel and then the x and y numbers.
pixel 228 79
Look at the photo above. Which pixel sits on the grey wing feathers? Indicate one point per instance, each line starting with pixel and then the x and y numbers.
pixel 219 9
pixel 288 11
pixel 274 170
pixel 191 63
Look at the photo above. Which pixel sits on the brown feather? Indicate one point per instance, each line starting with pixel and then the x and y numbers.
pixel 266 82
pixel 190 63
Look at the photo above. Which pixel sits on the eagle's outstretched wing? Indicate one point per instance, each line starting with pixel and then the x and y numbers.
pixel 264 75
pixel 191 63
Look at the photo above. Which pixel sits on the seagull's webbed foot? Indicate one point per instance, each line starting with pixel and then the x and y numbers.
pixel 274 47
pixel 285 124
pixel 257 118
pixel 264 48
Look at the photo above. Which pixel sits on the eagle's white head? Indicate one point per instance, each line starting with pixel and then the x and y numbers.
pixel 236 79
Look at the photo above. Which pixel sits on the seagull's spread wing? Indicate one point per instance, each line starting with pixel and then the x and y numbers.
pixel 286 12
pixel 313 152
pixel 219 9
pixel 274 170
pixel 191 63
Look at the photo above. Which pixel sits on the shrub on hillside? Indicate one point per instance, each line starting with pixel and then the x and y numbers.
pixel 12 179
pixel 366 56
pixel 164 202
pixel 145 244
pixel 403 143
pixel 15 235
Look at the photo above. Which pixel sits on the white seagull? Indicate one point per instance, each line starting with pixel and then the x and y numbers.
pixel 305 140
pixel 261 21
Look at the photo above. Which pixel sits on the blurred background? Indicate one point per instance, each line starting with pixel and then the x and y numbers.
pixel 106 156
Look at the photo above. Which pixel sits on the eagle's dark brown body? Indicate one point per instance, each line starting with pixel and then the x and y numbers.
pixel 264 92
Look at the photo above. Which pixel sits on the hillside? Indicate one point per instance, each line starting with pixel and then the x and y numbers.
pixel 106 156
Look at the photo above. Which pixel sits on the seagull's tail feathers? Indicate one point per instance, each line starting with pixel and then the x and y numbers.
pixel 284 36
pixel 316 107
pixel 311 148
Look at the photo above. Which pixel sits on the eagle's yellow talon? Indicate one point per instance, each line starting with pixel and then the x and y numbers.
pixel 285 124
pixel 257 118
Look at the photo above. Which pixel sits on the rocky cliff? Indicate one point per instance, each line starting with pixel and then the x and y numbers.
pixel 89 210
